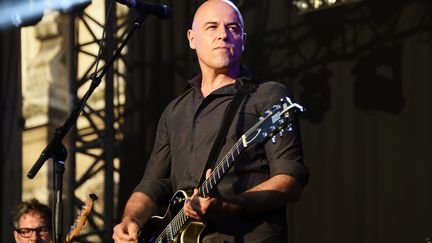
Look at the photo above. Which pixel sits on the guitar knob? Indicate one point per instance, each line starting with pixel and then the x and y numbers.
pixel 264 134
pixel 273 139
pixel 281 133
pixel 272 128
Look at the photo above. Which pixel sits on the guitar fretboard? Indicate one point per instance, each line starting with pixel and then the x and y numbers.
pixel 221 168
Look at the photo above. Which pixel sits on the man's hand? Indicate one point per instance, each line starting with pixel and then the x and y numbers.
pixel 138 210
pixel 201 208
pixel 126 231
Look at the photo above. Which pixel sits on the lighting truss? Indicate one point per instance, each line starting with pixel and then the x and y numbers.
pixel 93 161
pixel 306 6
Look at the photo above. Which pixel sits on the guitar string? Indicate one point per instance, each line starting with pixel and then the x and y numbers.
pixel 220 165
pixel 218 168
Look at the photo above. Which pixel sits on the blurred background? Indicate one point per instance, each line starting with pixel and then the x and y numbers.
pixel 362 69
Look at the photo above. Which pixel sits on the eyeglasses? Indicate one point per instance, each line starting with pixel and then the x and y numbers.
pixel 27 232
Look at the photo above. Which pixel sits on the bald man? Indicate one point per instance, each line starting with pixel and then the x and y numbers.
pixel 248 204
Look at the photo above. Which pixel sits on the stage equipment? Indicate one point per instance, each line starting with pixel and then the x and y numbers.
pixel 306 6
pixel 55 149
pixel 28 13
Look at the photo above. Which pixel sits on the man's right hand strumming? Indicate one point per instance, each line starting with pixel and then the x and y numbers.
pixel 126 231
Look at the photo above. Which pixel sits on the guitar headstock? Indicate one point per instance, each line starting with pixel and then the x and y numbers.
pixel 81 218
pixel 276 120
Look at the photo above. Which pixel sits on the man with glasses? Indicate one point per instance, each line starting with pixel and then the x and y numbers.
pixel 32 222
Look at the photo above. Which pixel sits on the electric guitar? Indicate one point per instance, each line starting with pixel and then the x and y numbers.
pixel 81 218
pixel 175 226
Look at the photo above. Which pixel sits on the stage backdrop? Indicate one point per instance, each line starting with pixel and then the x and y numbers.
pixel 11 126
pixel 363 72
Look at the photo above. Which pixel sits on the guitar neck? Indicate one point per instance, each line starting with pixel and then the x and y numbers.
pixel 222 167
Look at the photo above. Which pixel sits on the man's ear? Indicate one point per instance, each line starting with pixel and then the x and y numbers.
pixel 244 40
pixel 16 236
pixel 191 38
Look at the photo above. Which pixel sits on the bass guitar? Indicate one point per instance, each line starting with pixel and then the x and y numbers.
pixel 175 226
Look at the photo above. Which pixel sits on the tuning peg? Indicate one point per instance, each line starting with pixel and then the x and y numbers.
pixel 273 139
pixel 272 128
pixel 277 107
pixel 289 128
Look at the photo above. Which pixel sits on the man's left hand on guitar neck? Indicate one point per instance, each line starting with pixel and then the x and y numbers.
pixel 201 208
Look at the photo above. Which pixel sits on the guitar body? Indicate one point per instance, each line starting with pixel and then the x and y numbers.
pixel 160 229
pixel 192 232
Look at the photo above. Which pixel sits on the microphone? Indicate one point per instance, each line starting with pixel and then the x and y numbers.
pixel 160 11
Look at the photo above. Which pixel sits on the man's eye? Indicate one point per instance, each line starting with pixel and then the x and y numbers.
pixel 233 28
pixel 24 231
pixel 211 27
pixel 44 229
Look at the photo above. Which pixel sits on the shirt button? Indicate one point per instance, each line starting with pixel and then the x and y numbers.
pixel 194 148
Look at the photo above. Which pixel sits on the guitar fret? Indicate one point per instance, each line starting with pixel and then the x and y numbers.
pixel 228 162
pixel 237 146
pixel 176 228
pixel 170 233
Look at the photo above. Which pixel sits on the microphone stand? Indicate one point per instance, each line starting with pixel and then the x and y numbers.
pixel 55 148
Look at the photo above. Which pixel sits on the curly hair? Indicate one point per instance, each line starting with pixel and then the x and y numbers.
pixel 32 206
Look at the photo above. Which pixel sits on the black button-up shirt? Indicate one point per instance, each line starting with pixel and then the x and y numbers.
pixel 186 132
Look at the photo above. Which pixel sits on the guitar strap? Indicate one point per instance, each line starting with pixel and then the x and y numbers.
pixel 245 89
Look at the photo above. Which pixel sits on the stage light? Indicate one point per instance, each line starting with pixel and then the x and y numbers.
pixel 66 6
pixel 26 13
pixel 306 6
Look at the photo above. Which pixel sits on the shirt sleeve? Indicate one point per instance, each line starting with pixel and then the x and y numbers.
pixel 286 155
pixel 156 181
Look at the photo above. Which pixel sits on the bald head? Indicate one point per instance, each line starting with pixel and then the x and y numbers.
pixel 218 37
pixel 210 4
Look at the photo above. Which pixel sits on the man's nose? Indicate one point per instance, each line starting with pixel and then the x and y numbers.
pixel 222 33
pixel 35 236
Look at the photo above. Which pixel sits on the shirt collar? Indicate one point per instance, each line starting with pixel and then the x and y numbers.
pixel 244 75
